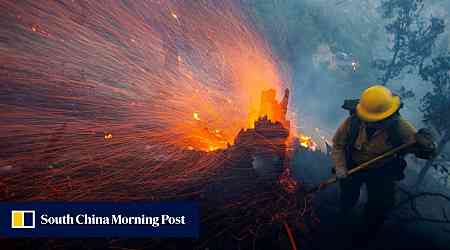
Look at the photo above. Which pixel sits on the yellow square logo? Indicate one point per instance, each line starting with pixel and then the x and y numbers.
pixel 22 219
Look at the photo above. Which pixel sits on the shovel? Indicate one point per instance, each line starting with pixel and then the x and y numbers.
pixel 363 166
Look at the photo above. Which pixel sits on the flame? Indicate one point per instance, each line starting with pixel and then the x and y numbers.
pixel 225 95
pixel 307 142
pixel 196 116
pixel 209 139
pixel 108 136
pixel 174 15
pixel 181 68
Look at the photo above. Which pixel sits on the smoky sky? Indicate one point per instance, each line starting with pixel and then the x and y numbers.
pixel 320 39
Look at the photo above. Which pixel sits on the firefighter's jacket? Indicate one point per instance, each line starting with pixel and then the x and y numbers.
pixel 364 149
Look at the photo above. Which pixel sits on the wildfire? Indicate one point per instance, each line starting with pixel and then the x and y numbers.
pixel 108 136
pixel 242 62
pixel 184 79
pixel 174 15
pixel 307 142
pixel 196 116
pixel 164 82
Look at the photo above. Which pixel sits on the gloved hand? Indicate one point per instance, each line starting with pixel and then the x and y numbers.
pixel 424 137
pixel 425 144
pixel 341 173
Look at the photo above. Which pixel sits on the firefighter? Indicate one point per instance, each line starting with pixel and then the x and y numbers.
pixel 374 127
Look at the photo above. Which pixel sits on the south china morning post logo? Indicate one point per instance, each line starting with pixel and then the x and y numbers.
pixel 99 219
pixel 114 219
pixel 23 219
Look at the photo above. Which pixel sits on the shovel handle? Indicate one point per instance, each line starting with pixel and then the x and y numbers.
pixel 364 165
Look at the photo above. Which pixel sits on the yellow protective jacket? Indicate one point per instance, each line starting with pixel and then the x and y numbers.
pixel 364 149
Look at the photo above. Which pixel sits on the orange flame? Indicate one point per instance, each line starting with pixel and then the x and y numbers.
pixel 226 96
pixel 307 142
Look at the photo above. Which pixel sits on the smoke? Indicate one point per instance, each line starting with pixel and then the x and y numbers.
pixel 318 39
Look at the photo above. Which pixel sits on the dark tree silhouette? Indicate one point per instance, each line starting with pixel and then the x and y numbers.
pixel 416 215
pixel 436 105
pixel 413 37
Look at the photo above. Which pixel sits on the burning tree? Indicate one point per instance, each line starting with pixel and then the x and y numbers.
pixel 413 37
pixel 435 106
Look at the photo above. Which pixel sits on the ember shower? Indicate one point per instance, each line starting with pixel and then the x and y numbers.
pixel 89 87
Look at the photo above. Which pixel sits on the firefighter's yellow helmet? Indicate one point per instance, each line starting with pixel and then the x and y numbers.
pixel 377 103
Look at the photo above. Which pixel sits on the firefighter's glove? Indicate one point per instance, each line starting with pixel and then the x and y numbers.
pixel 426 148
pixel 341 173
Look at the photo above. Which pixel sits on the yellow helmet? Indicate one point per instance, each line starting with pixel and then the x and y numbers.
pixel 377 103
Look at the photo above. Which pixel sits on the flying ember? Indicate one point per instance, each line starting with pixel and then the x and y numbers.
pixel 158 82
